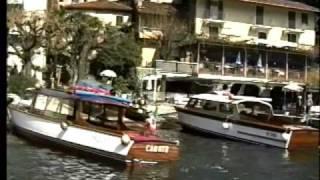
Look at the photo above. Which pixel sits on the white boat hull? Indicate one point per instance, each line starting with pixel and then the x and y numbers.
pixel 235 131
pixel 75 137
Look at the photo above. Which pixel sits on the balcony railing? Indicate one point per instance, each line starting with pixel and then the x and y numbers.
pixel 177 66
pixel 215 68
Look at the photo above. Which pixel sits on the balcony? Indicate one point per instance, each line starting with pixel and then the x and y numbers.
pixel 210 21
pixel 176 66
pixel 260 27
pixel 150 33
pixel 293 31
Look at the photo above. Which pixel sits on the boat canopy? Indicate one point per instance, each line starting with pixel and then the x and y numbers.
pixel 257 102
pixel 213 97
pixel 102 100
pixel 233 99
pixel 58 94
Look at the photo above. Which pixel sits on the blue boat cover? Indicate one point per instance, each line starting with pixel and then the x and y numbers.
pixel 102 100
pixel 94 84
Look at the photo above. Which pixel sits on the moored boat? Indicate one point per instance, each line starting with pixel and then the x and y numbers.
pixel 94 125
pixel 244 119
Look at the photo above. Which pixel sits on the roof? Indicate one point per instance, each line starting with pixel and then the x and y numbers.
pixel 285 4
pixel 58 94
pixel 156 8
pixel 99 5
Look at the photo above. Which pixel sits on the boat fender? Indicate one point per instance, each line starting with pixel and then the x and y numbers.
pixel 226 125
pixel 125 139
pixel 177 142
pixel 64 125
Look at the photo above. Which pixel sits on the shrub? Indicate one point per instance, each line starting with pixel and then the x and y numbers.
pixel 18 83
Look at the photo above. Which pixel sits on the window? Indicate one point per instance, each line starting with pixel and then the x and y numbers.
pixel 192 102
pixel 292 37
pixel 304 18
pixel 209 105
pixel 259 15
pixel 262 35
pixel 292 19
pixel 215 9
pixel 213 31
pixel 54 107
pixel 119 20
pixel 225 108
pixel 196 103
pixel 14 6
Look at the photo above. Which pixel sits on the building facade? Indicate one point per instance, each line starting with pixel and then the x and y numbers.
pixel 273 40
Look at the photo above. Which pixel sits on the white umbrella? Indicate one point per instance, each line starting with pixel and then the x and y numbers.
pixel 108 73
pixel 259 63
pixel 238 60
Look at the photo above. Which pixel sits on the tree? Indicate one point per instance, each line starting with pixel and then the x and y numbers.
pixel 175 31
pixel 121 53
pixel 84 34
pixel 25 36
pixel 55 39
pixel 74 35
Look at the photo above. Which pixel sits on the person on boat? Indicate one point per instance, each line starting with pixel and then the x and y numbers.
pixel 150 126
pixel 309 103
pixel 299 105
pixel 226 91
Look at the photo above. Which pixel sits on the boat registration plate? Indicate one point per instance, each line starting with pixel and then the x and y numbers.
pixel 160 149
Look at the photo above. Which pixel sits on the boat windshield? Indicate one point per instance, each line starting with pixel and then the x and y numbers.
pixel 102 114
pixel 54 107
pixel 257 110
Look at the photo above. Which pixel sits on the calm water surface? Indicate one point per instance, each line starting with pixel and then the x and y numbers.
pixel 201 158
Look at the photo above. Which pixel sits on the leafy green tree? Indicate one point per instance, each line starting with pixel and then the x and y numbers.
pixel 84 35
pixel 74 35
pixel 121 53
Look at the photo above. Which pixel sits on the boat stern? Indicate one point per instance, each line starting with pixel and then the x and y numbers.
pixel 154 152
pixel 304 139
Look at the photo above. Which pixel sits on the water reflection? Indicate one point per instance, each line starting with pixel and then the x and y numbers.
pixel 201 158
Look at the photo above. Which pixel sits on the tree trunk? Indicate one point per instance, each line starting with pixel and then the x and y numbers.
pixel 27 69
pixel 75 76
pixel 82 61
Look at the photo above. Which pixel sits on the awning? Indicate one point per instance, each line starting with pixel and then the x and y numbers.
pixel 293 87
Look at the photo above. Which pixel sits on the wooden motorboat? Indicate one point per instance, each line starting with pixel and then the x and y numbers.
pixel 246 119
pixel 94 125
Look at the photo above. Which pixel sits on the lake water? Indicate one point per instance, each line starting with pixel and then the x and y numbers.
pixel 201 158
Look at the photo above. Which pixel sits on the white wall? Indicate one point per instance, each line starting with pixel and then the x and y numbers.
pixel 35 5
pixel 239 17
pixel 109 17
pixel 68 2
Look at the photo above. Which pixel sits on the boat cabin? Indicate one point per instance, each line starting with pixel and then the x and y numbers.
pixel 237 108
pixel 86 111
